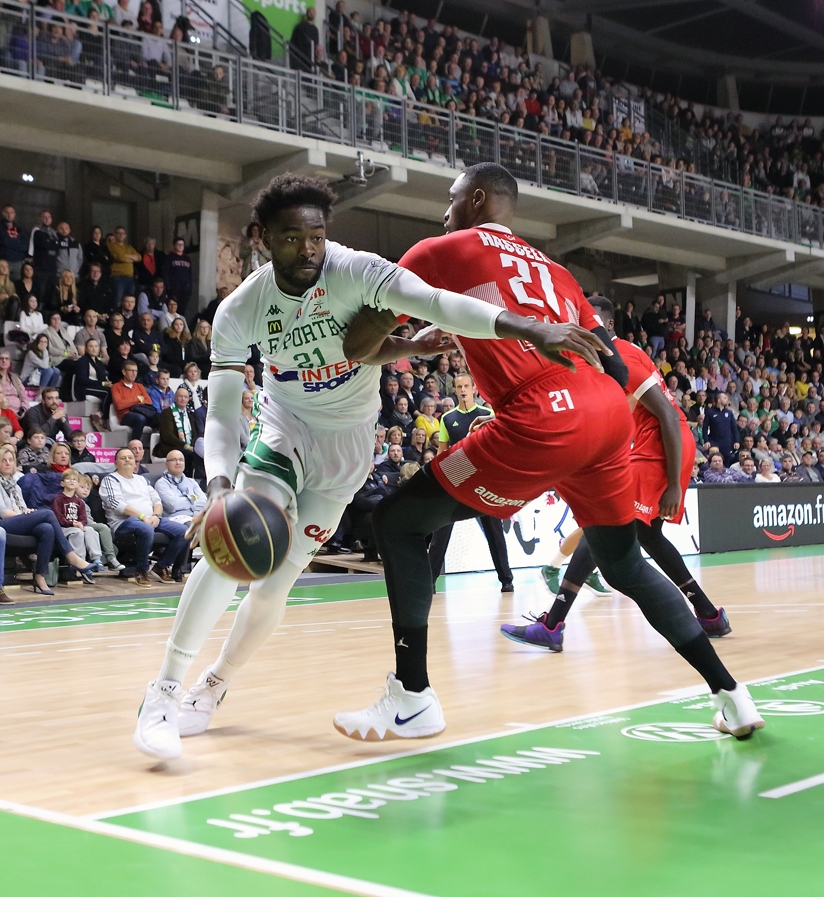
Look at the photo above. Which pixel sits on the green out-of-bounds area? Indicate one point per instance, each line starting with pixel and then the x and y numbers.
pixel 645 801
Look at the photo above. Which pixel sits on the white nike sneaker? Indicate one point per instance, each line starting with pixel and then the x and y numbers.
pixel 156 733
pixel 737 714
pixel 200 703
pixel 398 714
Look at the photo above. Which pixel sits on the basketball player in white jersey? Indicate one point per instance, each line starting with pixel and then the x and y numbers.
pixel 314 439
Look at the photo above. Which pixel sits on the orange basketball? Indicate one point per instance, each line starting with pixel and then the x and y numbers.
pixel 245 536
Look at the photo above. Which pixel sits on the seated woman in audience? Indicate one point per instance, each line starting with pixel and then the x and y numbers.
pixel 790 449
pixel 63 298
pixel 91 377
pixel 173 347
pixel 114 332
pixel 7 288
pixel 24 288
pixel 199 348
pixel 31 321
pixel 766 473
pixel 7 414
pixel 196 386
pixel 11 386
pixel 37 367
pixel 426 420
pixel 17 519
pixel 247 417
pixel 165 321
pixel 122 354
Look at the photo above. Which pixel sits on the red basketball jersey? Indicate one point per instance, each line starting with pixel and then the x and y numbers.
pixel 644 375
pixel 492 264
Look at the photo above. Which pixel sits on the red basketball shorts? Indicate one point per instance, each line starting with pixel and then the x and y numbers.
pixel 650 475
pixel 567 432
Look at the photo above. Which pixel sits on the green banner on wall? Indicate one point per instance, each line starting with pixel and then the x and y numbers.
pixel 283 15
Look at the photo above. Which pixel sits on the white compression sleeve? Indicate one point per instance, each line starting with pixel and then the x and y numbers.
pixel 222 437
pixel 466 316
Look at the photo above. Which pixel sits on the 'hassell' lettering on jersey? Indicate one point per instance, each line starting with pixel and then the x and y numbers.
pixel 490 239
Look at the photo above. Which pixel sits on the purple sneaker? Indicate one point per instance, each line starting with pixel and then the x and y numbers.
pixel 536 633
pixel 717 626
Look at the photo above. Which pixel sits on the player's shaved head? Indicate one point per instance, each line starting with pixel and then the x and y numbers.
pixel 482 194
pixel 493 179
pixel 603 306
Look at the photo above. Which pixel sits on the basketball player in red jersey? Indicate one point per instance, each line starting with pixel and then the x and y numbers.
pixel 555 428
pixel 663 453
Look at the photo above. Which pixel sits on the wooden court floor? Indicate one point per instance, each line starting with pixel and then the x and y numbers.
pixel 72 694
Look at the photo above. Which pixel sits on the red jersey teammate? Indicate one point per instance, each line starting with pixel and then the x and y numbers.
pixel 663 453
pixel 556 428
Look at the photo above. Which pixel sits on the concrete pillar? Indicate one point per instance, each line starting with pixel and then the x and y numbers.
pixel 205 287
pixel 541 37
pixel 581 51
pixel 689 307
pixel 727 92
pixel 729 316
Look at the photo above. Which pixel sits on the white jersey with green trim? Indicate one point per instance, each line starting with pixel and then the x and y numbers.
pixel 301 337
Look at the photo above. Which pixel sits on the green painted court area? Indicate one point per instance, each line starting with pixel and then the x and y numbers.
pixel 644 801
pixel 26 618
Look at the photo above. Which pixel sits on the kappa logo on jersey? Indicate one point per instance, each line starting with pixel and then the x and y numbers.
pixel 273 310
pixel 318 534
pixel 497 501
pixel 275 327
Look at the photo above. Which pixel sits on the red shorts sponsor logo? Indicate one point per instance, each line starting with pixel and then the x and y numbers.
pixel 644 509
pixel 497 501
pixel 318 534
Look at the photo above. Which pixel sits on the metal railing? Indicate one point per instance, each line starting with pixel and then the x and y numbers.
pixel 78 53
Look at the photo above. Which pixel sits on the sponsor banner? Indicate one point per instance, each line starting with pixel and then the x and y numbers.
pixel 638 116
pixel 739 516
pixel 534 532
pixel 283 15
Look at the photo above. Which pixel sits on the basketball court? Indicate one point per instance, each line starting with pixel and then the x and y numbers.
pixel 590 772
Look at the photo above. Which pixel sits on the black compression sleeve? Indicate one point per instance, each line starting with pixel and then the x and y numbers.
pixel 613 364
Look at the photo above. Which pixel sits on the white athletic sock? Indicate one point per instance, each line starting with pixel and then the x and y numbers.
pixel 205 598
pixel 256 619
pixel 559 559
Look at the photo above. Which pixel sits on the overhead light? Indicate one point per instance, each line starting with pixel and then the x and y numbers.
pixel 810 319
pixel 28 178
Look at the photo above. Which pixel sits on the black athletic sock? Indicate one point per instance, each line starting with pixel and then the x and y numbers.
pixel 410 657
pixel 701 656
pixel 699 600
pixel 560 607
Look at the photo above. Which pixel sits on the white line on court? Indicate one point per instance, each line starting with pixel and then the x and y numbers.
pixel 794 787
pixel 215 854
pixel 358 764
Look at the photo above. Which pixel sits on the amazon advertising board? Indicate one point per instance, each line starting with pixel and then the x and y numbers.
pixel 535 531
pixel 737 516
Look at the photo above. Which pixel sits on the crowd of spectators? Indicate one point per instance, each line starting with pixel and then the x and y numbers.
pixel 104 322
pixel 754 398
pixel 69 47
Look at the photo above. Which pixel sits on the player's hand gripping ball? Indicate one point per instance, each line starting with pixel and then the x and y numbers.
pixel 245 536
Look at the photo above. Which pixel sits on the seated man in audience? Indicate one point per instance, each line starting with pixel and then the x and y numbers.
pixel 154 300
pixel 33 454
pixel 180 495
pixel 84 488
pixel 139 452
pixel 145 338
pixel 162 394
pixel 788 473
pixel 91 330
pixel 132 403
pixel 807 471
pixel 717 473
pixel 128 309
pixel 95 293
pixel 133 508
pixel 49 415
pixel 178 432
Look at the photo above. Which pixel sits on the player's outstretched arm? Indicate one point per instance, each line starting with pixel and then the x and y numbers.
pixel 369 339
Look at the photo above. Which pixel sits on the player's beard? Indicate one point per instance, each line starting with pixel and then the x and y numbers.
pixel 298 279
